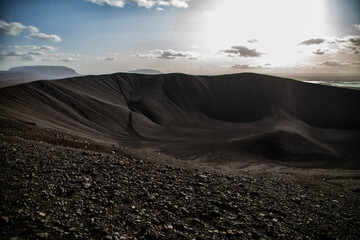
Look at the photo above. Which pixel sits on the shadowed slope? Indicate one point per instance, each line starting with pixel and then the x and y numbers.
pixel 174 113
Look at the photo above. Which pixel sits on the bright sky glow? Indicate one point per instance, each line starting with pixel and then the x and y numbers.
pixel 191 36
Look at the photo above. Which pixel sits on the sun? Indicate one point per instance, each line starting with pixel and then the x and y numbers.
pixel 277 25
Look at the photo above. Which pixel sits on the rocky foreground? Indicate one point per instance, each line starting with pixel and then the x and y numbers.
pixel 58 186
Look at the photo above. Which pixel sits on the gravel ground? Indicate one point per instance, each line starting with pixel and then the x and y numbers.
pixel 58 186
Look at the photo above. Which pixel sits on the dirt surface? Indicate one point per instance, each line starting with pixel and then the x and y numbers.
pixel 59 186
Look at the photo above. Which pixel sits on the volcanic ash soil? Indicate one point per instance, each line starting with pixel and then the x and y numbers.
pixel 57 186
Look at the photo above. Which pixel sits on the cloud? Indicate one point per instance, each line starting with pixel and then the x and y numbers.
pixel 313 41
pixel 334 63
pixel 34 53
pixel 245 66
pixel 15 28
pixel 348 44
pixel 355 41
pixel 241 51
pixel 68 59
pixel 144 55
pixel 169 54
pixel 33 48
pixel 143 3
pixel 43 36
pixel 357 26
pixel 111 58
pixel 320 51
pixel 252 40
pixel 29 58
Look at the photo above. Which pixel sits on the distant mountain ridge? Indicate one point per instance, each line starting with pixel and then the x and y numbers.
pixel 22 74
pixel 145 71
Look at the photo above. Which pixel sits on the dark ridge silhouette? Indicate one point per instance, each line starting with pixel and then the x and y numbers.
pixel 241 119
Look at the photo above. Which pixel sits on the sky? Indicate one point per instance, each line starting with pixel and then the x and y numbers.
pixel 190 36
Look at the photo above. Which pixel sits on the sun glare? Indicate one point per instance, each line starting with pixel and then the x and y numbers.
pixel 277 25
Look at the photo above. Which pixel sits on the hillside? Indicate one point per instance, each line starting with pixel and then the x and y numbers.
pixel 232 120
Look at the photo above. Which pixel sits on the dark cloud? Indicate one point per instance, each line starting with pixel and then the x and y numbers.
pixel 241 51
pixel 313 41
pixel 348 45
pixel 355 41
pixel 170 54
pixel 320 51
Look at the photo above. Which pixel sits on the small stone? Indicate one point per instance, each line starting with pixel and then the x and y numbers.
pixel 43 235
pixel 108 237
pixel 169 227
pixel 86 185
pixel 229 231
pixel 6 219
pixel 42 214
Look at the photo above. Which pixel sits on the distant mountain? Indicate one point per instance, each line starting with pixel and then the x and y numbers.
pixel 24 74
pixel 145 71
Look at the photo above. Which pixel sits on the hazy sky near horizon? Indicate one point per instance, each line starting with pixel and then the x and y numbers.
pixel 191 36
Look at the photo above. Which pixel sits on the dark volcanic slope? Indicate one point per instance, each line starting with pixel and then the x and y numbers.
pixel 243 119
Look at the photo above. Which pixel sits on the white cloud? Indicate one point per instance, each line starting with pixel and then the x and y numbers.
pixel 15 28
pixel 357 26
pixel 33 48
pixel 36 53
pixel 43 36
pixel 68 59
pixel 143 3
pixel 245 66
pixel 169 54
